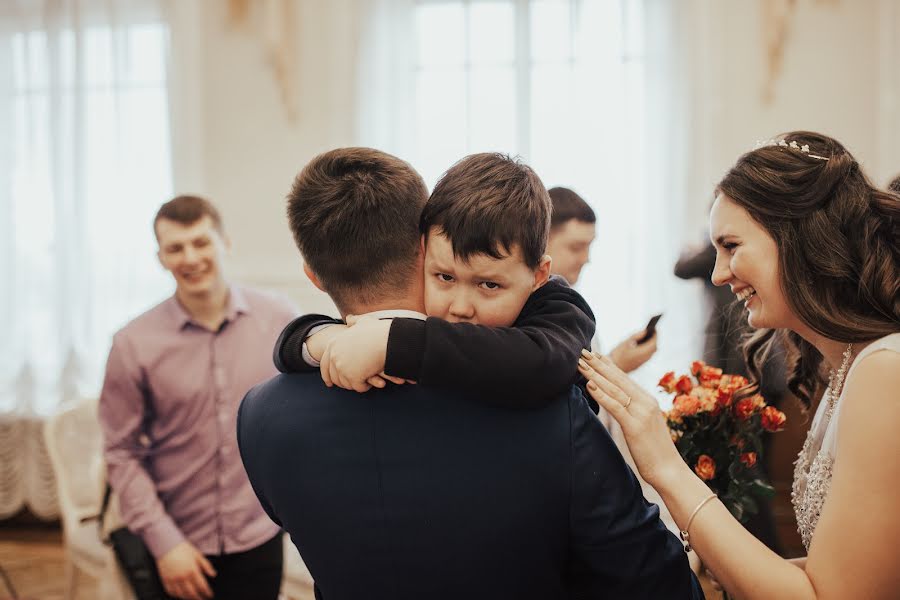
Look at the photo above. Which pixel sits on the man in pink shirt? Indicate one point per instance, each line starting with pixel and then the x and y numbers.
pixel 174 379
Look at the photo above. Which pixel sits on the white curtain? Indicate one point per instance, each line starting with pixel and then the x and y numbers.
pixel 594 94
pixel 86 162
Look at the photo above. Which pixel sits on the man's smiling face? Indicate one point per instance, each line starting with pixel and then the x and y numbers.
pixel 193 254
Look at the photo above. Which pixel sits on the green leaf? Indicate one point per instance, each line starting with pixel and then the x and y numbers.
pixel 762 489
pixel 756 442
pixel 749 505
pixel 736 509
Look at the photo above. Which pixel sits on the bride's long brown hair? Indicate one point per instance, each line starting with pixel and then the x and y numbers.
pixel 838 245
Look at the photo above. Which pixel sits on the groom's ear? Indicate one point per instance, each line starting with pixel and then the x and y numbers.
pixel 312 277
pixel 542 273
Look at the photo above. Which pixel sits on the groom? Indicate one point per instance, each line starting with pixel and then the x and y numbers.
pixel 414 492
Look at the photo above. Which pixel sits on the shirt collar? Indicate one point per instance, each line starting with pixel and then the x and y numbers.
pixel 396 314
pixel 237 304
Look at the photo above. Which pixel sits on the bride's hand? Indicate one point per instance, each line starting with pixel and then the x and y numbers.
pixel 638 413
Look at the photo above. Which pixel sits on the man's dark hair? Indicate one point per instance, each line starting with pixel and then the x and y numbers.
pixel 354 214
pixel 487 204
pixel 568 205
pixel 187 210
pixel 894 186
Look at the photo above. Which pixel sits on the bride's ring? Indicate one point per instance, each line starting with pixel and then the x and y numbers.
pixel 627 403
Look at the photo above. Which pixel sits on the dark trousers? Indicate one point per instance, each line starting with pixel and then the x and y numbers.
pixel 251 575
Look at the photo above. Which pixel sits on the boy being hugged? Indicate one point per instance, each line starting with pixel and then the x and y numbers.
pixel 441 493
pixel 499 325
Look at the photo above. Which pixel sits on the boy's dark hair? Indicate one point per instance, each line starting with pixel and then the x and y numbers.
pixel 486 204
pixel 354 214
pixel 568 205
pixel 187 210
pixel 894 186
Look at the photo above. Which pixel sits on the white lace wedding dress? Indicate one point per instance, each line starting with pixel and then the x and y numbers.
pixel 812 472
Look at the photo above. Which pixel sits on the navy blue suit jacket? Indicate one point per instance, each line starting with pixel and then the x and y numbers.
pixel 412 492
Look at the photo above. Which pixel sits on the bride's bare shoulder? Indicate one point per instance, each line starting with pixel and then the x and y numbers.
pixel 871 400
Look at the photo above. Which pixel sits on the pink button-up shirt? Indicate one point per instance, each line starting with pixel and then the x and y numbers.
pixel 168 410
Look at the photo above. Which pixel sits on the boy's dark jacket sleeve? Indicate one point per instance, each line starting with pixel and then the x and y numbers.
pixel 523 366
pixel 288 354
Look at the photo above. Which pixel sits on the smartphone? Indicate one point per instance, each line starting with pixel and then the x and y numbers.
pixel 650 331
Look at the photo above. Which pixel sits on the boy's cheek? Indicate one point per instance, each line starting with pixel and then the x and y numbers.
pixel 434 303
pixel 502 312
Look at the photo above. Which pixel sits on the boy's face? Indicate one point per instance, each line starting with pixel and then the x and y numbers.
pixel 484 290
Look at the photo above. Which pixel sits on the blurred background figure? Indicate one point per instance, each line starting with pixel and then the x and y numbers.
pixel 725 327
pixel 168 409
pixel 572 231
pixel 894 186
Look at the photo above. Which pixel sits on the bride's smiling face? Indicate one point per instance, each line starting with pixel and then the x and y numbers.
pixel 747 261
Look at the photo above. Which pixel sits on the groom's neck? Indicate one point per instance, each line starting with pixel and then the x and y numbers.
pixel 370 308
pixel 411 299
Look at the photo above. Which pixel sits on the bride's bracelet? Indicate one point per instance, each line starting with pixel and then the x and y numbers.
pixel 685 536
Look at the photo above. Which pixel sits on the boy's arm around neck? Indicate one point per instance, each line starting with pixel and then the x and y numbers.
pixel 523 366
pixel 288 352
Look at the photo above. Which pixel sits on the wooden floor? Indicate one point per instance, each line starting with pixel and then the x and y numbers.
pixel 33 559
pixel 33 556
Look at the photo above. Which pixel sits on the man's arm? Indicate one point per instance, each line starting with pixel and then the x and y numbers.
pixel 122 410
pixel 122 413
pixel 620 548
pixel 526 365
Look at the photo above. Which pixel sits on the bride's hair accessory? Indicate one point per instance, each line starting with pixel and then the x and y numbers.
pixel 793 145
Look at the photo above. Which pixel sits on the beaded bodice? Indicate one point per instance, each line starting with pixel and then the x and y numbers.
pixel 814 466
pixel 812 479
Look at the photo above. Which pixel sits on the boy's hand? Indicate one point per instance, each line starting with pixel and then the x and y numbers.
pixel 354 359
pixel 318 342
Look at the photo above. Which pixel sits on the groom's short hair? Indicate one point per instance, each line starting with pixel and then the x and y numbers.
pixel 354 214
pixel 486 204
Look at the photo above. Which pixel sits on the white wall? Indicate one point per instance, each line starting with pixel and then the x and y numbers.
pixel 840 75
pixel 242 148
pixel 235 143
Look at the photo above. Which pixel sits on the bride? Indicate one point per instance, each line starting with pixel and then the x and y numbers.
pixel 811 248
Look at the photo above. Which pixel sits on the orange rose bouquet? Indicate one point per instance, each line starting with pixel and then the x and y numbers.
pixel 718 432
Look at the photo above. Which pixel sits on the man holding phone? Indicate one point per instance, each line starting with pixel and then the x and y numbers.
pixel 572 231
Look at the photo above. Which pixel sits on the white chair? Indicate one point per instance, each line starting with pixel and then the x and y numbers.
pixel 74 444
pixel 297 583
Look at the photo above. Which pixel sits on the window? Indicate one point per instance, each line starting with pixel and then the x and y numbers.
pixel 561 83
pixel 90 164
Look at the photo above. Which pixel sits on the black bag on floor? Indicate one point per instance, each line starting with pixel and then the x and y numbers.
pixel 135 559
